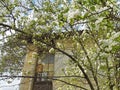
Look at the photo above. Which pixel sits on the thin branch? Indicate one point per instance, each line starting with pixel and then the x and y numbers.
pixel 10 27
pixel 74 60
pixel 70 84
pixel 91 66
pixel 27 8
pixel 95 12
pixel 13 17
pixel 108 75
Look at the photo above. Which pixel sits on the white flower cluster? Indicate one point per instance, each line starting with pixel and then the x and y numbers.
pixel 115 35
pixel 72 13
pixel 107 44
pixel 99 9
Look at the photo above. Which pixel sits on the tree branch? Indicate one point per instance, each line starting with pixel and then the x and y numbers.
pixel 10 27
pixel 70 84
pixel 91 66
pixel 74 60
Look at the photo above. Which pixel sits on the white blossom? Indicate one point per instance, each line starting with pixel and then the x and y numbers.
pixel 51 50
pixel 115 35
pixel 59 45
pixel 72 13
pixel 99 20
pixel 99 9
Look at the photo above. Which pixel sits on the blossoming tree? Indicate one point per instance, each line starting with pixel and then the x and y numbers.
pixel 95 56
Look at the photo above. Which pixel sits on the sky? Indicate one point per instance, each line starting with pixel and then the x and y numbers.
pixel 12 86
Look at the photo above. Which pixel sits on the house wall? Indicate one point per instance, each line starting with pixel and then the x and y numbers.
pixel 61 61
pixel 29 69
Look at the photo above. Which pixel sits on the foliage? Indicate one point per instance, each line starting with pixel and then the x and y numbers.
pixel 95 54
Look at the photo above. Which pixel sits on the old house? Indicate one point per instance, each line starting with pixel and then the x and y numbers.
pixel 43 69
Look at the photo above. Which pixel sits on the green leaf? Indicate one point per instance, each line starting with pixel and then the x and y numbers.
pixel 92 8
pixel 72 21
pixel 116 48
pixel 61 23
